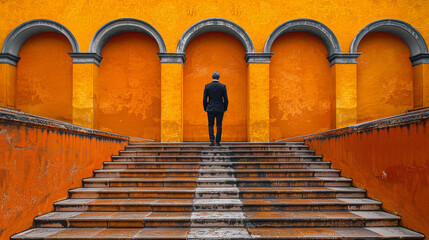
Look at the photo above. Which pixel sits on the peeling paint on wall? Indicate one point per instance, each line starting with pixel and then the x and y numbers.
pixel 389 158
pixel 38 165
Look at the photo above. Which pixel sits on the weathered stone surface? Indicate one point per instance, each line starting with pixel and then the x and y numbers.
pixel 218 233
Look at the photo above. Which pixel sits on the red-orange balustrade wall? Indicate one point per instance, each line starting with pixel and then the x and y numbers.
pixel 40 162
pixel 388 158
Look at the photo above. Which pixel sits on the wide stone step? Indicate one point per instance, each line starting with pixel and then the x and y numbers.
pixel 217 205
pixel 124 205
pixel 217 193
pixel 210 182
pixel 231 148
pixel 244 193
pixel 151 165
pixel 146 173
pixel 207 143
pixel 198 164
pixel 300 192
pixel 220 233
pixel 322 219
pixel 218 219
pixel 221 172
pixel 276 182
pixel 249 158
pixel 337 204
pixel 140 182
pixel 202 152
pixel 335 233
pixel 186 205
pixel 266 165
pixel 133 192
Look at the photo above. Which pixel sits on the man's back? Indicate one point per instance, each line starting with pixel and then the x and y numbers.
pixel 217 97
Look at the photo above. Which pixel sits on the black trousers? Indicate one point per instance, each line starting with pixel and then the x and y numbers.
pixel 211 116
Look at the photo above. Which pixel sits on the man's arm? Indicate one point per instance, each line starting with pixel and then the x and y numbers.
pixel 205 99
pixel 225 99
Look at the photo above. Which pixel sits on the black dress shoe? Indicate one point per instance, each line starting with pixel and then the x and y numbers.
pixel 212 144
pixel 218 144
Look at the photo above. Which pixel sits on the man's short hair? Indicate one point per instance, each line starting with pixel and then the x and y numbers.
pixel 216 75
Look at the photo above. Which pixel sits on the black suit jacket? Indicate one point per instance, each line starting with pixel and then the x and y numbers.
pixel 215 97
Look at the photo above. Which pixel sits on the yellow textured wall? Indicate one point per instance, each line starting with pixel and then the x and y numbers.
pixel 171 102
pixel 300 86
pixel 344 106
pixel 45 76
pixel 384 77
pixel 421 85
pixel 171 18
pixel 7 85
pixel 84 77
pixel 258 75
pixel 129 91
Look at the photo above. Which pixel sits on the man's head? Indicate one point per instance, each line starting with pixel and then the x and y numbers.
pixel 216 75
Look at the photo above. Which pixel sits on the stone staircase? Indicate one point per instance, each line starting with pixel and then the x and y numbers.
pixel 237 191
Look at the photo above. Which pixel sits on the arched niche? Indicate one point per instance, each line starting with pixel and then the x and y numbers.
pixel 403 30
pixel 215 25
pixel 115 27
pixel 17 37
pixel 309 26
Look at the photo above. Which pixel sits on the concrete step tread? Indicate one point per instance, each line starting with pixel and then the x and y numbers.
pixel 219 233
pixel 282 179
pixel 134 189
pixel 218 157
pixel 219 170
pixel 301 189
pixel 223 143
pixel 214 189
pixel 186 216
pixel 138 201
pixel 335 233
pixel 181 179
pixel 220 151
pixel 219 179
pixel 219 163
pixel 312 201
pixel 230 147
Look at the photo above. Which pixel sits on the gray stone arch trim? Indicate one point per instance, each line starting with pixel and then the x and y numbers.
pixel 215 25
pixel 16 38
pixel 115 27
pixel 309 26
pixel 403 30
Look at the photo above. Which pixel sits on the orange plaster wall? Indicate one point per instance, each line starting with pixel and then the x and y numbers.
pixel 391 163
pixel 44 77
pixel 128 94
pixel 300 87
pixel 206 54
pixel 172 18
pixel 38 165
pixel 384 77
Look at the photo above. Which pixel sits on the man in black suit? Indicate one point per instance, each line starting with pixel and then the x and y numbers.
pixel 215 103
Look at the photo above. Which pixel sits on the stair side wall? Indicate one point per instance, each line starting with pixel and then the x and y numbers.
pixel 39 163
pixel 388 158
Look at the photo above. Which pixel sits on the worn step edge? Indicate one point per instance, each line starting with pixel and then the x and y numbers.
pixel 219 157
pixel 224 143
pixel 355 218
pixel 259 233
